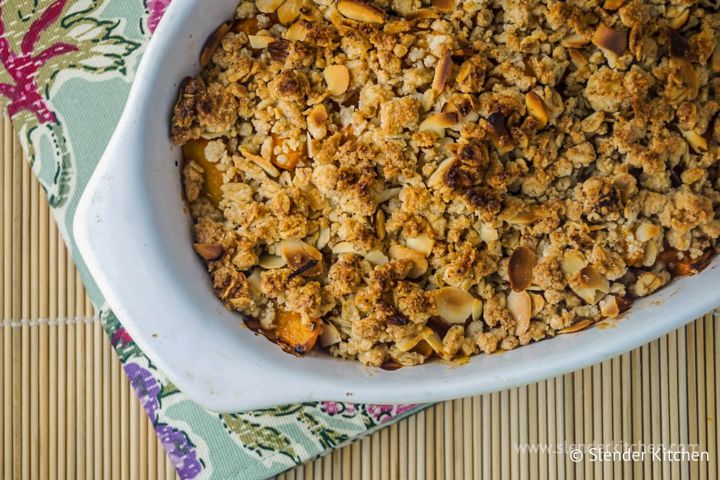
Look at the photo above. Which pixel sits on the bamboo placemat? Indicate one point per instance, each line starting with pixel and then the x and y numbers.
pixel 67 411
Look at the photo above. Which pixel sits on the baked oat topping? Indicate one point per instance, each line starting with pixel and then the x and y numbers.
pixel 403 180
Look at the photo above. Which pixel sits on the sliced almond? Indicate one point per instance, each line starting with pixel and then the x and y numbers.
pixel 346 247
pixel 444 6
pixel 591 278
pixel 578 58
pixel 388 193
pixel 438 122
pixel 613 4
pixel 538 303
pixel 213 42
pixel 376 257
pixel 520 306
pixel 577 326
pixel 299 254
pixel 255 280
pixel 422 243
pixel 477 309
pixel 323 238
pixel 609 39
pixel 646 231
pixel 360 11
pixel 316 121
pixel 422 13
pixel 270 262
pixel 536 108
pixel 418 260
pixel 454 305
pixel 432 339
pixel 572 262
pixel 380 224
pixel 268 6
pixel 289 11
pixel 442 71
pixel 209 251
pixel 522 218
pixel 260 41
pixel 296 32
pixel 677 22
pixel 574 41
pixel 520 268
pixel 436 178
pixel 697 142
pixel 406 344
pixel 609 307
pixel 329 336
pixel 267 166
pixel 337 78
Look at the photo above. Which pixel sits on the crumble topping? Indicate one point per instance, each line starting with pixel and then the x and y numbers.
pixel 404 180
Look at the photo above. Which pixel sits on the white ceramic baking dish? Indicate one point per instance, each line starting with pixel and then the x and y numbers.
pixel 134 234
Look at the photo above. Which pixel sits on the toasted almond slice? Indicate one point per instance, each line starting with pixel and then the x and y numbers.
pixel 520 306
pixel 646 231
pixel 406 344
pixel 444 6
pixel 433 339
pixel 298 254
pixel 577 326
pixel 522 218
pixel 209 251
pixel 346 247
pixel 254 280
pixel 477 309
pixel 271 261
pixel 316 121
pixel 337 78
pixel 260 41
pixel 613 4
pixel 376 257
pixel 422 243
pixel 213 42
pixel 438 122
pixel 422 13
pixel 577 58
pixel 360 11
pixel 436 178
pixel 418 260
pixel 442 71
pixel 267 166
pixel 574 41
pixel 609 39
pixel 296 32
pixel 715 60
pixel 609 307
pixel 520 268
pixel 288 11
pixel 696 141
pixel 380 224
pixel 589 295
pixel 454 305
pixel 572 262
pixel 536 108
pixel 329 336
pixel 268 6
pixel 591 278
pixel 538 303
pixel 323 238
pixel 679 20
pixel 388 193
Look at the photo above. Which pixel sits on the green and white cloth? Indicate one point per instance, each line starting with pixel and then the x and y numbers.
pixel 67 66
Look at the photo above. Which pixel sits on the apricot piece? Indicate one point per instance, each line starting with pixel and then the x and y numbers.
pixel 212 177
pixel 294 334
pixel 289 160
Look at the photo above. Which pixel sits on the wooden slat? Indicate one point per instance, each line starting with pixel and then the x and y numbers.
pixel 67 411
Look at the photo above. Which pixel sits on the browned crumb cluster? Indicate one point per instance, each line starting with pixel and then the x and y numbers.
pixel 409 179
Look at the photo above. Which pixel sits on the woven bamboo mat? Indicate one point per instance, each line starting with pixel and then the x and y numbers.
pixel 66 409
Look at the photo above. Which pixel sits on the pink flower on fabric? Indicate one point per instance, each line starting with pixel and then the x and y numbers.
pixel 157 9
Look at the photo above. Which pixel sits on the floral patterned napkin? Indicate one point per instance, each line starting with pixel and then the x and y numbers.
pixel 67 66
